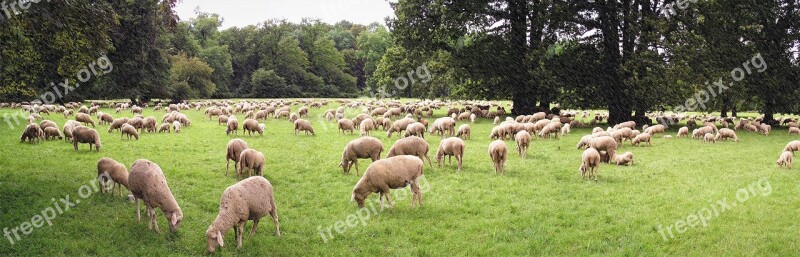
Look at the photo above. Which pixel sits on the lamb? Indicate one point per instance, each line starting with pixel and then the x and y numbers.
pixel 498 154
pixel 129 130
pixel 792 146
pixel 642 138
pixel 683 132
pixel 345 125
pixel 146 181
pixel 251 160
pixel 590 163
pixel 523 139
pixel 605 143
pixel 411 146
pixel 725 133
pixel 250 199
pixel 785 159
pixel 84 118
pixel 362 148
pixel 176 126
pixel 109 170
pixel 251 126
pixel 415 129
pixel 366 126
pixel 624 159
pixel 708 138
pixel 449 147
pixel 794 131
pixel 52 133
pixel 117 124
pixel 464 132
pixel 390 173
pixel 32 133
pixel 303 125
pixel 164 127
pixel 85 135
pixel 232 126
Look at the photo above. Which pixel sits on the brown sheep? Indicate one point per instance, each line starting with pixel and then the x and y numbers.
pixel 794 131
pixel 250 199
pixel 605 143
pixel 498 153
pixel 366 126
pixel 390 173
pixel 117 124
pixel 137 123
pixel 52 133
pixel 362 148
pixel 523 139
pixel 412 145
pixel 683 132
pixel 415 129
pixel 303 125
pixel 164 127
pixel 232 126
pixel 235 148
pixel 32 133
pixel 346 125
pixel 792 146
pixel 146 181
pixel 105 118
pixel 642 138
pixel 708 138
pixel 84 118
pixel 85 135
pixel 251 126
pixel 785 160
pixel 251 160
pixel 590 163
pixel 450 147
pixel 624 159
pixel 400 126
pixel 725 133
pixel 464 132
pixel 109 170
pixel 129 130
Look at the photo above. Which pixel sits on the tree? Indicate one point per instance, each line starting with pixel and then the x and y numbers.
pixel 195 73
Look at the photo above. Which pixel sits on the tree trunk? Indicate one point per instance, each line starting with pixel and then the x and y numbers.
pixel 524 102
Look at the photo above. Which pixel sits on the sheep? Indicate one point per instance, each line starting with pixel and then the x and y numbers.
pixel 585 141
pixel 624 159
pixel 146 181
pixel 164 127
pixel 498 132
pixel 642 138
pixel 232 126
pixel 363 148
pixel 46 123
pixel 85 135
pixel 105 118
pixel 785 159
pixel 84 118
pixel 129 130
pixel 683 132
pixel 251 126
pixel 605 143
pixel 415 129
pixel 68 127
pixel 401 125
pixel 149 124
pixel 366 126
pixel 345 125
pixel 176 126
pixel 137 123
pixel 794 131
pixel 235 148
pixel 109 169
pixel 33 132
pixel 590 163
pixel 496 120
pixel 498 154
pixel 523 139
pixel 725 133
pixel 792 146
pixel 654 130
pixel 472 118
pixel 765 129
pixel 251 160
pixel 52 133
pixel 566 129
pixel 303 125
pixel 449 147
pixel 303 112
pixel 117 124
pixel 293 117
pixel 668 137
pixel 390 173
pixel 411 146
pixel 250 199
pixel 708 138
pixel 464 132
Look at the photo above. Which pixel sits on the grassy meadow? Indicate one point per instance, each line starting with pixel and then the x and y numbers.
pixel 540 206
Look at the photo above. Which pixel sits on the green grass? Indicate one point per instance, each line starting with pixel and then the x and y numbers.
pixel 540 207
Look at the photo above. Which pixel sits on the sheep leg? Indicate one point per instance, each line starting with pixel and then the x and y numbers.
pixel 227 166
pixel 138 210
pixel 274 214
pixel 236 233
pixel 254 229
pixel 429 160
pixel 240 234
pixel 459 158
pixel 380 197
pixel 389 199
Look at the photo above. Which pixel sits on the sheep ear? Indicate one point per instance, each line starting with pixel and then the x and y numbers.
pixel 220 241
pixel 174 218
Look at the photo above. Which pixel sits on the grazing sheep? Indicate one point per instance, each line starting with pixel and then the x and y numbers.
pixel 642 138
pixel 251 160
pixel 390 173
pixel 346 125
pixel 450 147
pixel 164 127
pixel 792 146
pixel 725 133
pixel 412 145
pixel 683 132
pixel 176 126
pixel 129 130
pixel 68 127
pixel 654 130
pixel 498 153
pixel 33 132
pixel 105 118
pixel 708 138
pixel 605 143
pixel 52 133
pixel 472 118
pixel 85 135
pixel 84 118
pixel 137 123
pixel 464 132
pixel 149 124
pixel 366 126
pixel 46 123
pixel 523 139
pixel 401 125
pixel 235 148
pixel 117 124
pixel 233 126
pixel 146 181
pixel 251 126
pixel 496 120
pixel 794 131
pixel 590 163
pixel 624 159
pixel 303 125
pixel 765 129
pixel 109 170
pixel 566 129
pixel 250 199
pixel 585 141
pixel 785 159
pixel 415 129
pixel 362 148
pixel 667 137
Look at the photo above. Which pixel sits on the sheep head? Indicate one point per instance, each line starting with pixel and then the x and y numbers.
pixel 214 239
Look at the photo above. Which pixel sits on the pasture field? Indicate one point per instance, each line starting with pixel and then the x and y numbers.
pixel 541 206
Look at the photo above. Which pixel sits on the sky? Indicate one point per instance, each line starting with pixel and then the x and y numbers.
pixel 240 13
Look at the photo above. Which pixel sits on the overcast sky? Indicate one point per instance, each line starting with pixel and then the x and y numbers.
pixel 239 13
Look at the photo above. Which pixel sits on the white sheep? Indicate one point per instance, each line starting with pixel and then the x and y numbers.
pixel 450 147
pixel 146 181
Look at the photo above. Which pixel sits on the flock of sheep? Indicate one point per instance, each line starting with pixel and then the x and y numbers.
pixel 252 197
